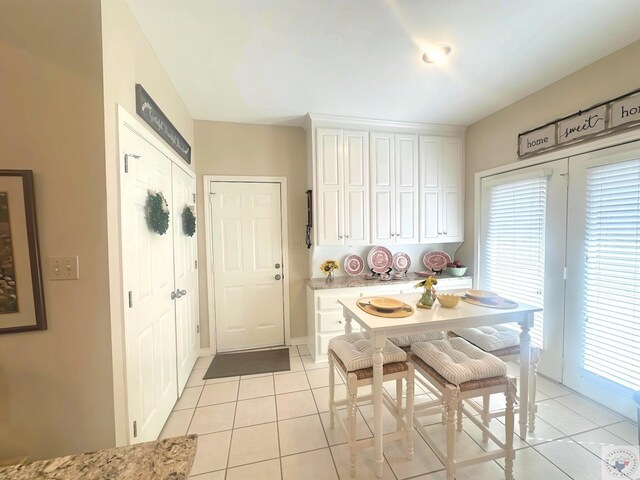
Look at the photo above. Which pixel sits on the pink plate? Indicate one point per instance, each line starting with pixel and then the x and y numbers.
pixel 353 265
pixel 379 259
pixel 401 262
pixel 436 260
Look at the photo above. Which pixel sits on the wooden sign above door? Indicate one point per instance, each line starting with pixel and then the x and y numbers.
pixel 597 121
pixel 151 113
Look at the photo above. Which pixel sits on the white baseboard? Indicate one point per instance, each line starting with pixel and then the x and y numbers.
pixel 205 352
pixel 299 340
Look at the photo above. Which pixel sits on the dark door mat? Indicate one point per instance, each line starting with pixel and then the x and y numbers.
pixel 248 363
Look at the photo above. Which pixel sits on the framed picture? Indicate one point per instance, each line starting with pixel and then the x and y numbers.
pixel 21 295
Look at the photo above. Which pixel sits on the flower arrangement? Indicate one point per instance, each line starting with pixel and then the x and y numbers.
pixel 327 267
pixel 427 295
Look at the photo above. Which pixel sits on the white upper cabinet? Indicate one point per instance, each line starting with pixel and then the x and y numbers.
pixel 342 169
pixel 394 188
pixel 441 189
pixel 384 183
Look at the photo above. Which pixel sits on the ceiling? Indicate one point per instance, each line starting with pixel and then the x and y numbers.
pixel 273 61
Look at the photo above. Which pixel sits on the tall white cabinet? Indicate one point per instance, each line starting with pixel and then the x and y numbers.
pixel 441 189
pixel 385 183
pixel 342 187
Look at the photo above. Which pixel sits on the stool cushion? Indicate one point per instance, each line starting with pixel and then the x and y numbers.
pixel 489 339
pixel 408 340
pixel 458 361
pixel 354 350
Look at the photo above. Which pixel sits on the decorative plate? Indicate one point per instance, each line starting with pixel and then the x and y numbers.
pixel 353 264
pixel 380 259
pixel 401 262
pixel 436 260
pixel 480 294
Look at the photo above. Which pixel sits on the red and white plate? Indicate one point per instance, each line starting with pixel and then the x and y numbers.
pixel 353 264
pixel 401 262
pixel 380 259
pixel 436 260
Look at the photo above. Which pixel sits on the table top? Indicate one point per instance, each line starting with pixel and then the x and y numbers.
pixel 464 315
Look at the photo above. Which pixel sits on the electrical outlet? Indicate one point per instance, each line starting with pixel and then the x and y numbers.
pixel 63 268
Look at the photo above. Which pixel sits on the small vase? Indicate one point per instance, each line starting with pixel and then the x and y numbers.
pixel 330 277
pixel 427 299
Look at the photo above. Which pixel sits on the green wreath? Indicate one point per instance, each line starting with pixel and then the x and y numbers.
pixel 157 210
pixel 188 221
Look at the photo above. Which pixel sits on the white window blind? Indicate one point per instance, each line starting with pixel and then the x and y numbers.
pixel 513 245
pixel 612 273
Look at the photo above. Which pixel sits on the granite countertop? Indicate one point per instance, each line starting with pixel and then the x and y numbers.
pixel 360 281
pixel 163 459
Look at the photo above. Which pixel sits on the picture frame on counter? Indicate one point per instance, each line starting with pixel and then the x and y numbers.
pixel 21 291
pixel 602 119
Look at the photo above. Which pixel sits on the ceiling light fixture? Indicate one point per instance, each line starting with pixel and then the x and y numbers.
pixel 436 54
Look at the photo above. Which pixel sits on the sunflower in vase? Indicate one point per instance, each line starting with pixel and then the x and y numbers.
pixel 327 267
pixel 428 293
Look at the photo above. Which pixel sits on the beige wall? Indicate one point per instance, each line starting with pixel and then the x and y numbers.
pixel 258 150
pixel 492 141
pixel 128 59
pixel 55 385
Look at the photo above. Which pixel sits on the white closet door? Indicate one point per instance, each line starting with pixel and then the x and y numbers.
pixel 329 195
pixel 356 188
pixel 148 283
pixel 186 277
pixel 602 360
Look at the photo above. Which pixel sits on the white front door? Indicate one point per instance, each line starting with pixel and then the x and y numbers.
pixel 246 235
pixel 186 277
pixel 148 284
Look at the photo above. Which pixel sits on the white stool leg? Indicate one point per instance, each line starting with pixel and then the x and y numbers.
pixel 332 419
pixel 409 411
pixel 353 410
pixel 509 423
pixel 486 403
pixel 451 399
pixel 533 373
pixel 459 415
pixel 399 402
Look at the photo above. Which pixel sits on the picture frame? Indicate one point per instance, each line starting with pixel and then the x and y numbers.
pixel 22 305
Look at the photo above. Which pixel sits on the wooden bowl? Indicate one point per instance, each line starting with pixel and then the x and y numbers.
pixel 448 300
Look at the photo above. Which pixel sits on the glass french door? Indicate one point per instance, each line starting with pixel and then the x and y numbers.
pixel 522 248
pixel 602 316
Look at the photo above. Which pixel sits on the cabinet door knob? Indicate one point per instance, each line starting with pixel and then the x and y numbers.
pixel 340 237
pixel 444 233
pixel 439 233
pixel 346 236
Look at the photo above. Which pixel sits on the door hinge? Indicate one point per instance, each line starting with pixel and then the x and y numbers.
pixel 130 299
pixel 126 160
pixel 198 328
pixel 135 428
pixel 194 198
pixel 195 264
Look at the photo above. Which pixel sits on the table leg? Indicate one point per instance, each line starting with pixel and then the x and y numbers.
pixel 347 321
pixel 525 360
pixel 378 344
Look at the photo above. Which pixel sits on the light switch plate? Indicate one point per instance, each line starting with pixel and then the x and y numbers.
pixel 63 268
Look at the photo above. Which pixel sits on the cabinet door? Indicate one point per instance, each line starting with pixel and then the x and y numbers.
pixel 382 188
pixel 430 189
pixel 406 189
pixel 356 188
pixel 452 203
pixel 329 178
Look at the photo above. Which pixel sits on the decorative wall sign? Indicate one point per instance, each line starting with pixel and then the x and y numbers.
pixel 151 113
pixel 21 294
pixel 597 121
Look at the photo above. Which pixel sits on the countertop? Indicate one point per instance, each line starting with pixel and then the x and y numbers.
pixel 164 459
pixel 360 281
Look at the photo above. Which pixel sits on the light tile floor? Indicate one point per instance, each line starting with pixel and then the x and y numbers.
pixel 276 426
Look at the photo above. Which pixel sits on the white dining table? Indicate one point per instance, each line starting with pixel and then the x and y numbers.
pixel 438 318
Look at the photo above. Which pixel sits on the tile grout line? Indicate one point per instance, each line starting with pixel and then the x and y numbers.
pixel 235 410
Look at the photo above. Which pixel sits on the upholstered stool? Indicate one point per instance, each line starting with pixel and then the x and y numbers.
pixel 503 341
pixel 350 355
pixel 459 371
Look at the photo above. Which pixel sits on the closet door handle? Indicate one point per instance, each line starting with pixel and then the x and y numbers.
pixel 173 295
pixel 182 292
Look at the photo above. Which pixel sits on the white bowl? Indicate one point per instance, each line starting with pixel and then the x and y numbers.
pixel 456 271
pixel 480 294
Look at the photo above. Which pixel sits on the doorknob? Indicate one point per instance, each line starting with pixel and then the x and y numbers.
pixel 278 277
pixel 173 295
pixel 182 292
pixel 277 265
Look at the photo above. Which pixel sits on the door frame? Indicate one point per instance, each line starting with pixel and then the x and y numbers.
pixel 282 181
